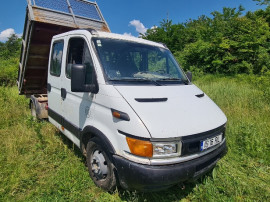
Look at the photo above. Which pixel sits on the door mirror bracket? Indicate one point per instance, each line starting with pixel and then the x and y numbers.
pixel 189 76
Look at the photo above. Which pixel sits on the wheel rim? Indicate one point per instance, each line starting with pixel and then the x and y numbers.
pixel 99 165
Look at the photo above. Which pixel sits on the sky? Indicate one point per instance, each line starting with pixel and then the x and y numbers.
pixel 128 16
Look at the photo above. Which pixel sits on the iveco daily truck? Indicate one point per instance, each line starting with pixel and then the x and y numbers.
pixel 124 101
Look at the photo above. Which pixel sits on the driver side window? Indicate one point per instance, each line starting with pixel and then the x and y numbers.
pixel 78 53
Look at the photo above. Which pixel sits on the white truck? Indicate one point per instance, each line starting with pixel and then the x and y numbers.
pixel 124 101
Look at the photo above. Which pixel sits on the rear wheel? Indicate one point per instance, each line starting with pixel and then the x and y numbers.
pixel 100 167
pixel 33 110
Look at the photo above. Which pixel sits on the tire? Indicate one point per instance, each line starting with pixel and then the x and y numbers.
pixel 33 111
pixel 100 167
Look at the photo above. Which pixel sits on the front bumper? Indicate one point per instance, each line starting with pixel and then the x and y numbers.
pixel 153 178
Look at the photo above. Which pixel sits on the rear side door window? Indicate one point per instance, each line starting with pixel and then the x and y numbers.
pixel 56 58
pixel 78 53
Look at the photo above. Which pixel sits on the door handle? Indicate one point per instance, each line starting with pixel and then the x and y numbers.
pixel 63 93
pixel 49 87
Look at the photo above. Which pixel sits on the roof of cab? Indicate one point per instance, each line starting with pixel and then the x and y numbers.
pixel 128 38
pixel 111 36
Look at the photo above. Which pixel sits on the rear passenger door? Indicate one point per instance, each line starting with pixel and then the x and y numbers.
pixel 54 82
pixel 77 107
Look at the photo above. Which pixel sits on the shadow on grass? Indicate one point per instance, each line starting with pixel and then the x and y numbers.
pixel 174 193
pixel 71 146
pixel 37 125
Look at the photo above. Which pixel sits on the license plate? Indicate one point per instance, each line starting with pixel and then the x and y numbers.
pixel 208 143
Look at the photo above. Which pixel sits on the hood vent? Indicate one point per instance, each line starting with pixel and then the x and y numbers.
pixel 200 95
pixel 151 99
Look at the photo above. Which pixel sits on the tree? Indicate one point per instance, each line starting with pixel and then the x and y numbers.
pixel 263 2
pixel 13 44
pixel 11 47
pixel 227 43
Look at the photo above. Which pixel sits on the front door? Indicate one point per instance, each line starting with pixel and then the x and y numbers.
pixel 77 107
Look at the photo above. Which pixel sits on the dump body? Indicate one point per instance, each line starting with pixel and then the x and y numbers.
pixel 44 19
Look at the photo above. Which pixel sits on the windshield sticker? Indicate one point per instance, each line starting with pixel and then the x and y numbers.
pixel 99 43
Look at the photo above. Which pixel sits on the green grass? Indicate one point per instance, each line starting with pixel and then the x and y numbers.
pixel 37 163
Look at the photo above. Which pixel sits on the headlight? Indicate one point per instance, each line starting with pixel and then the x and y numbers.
pixel 154 149
pixel 166 149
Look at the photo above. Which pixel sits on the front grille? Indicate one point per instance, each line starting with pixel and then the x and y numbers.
pixel 191 144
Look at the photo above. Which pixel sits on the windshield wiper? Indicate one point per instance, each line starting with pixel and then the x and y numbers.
pixel 186 82
pixel 137 79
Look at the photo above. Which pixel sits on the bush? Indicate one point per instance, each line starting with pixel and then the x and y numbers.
pixel 9 60
pixel 8 73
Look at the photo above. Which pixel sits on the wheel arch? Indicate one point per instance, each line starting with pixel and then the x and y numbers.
pixel 90 132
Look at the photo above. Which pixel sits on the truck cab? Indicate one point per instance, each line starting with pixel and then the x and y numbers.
pixel 132 110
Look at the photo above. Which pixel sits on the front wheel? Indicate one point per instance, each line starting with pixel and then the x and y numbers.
pixel 100 167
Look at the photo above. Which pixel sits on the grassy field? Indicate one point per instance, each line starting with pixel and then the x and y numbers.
pixel 37 163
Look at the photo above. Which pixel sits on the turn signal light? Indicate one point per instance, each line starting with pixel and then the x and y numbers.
pixel 116 114
pixel 120 115
pixel 140 147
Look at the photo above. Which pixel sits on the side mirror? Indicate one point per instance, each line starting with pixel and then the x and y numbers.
pixel 78 80
pixel 189 76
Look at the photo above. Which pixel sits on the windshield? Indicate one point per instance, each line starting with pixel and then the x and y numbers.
pixel 130 61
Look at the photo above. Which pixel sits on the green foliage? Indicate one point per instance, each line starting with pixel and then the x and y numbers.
pixel 9 71
pixel 38 163
pixel 11 48
pixel 9 60
pixel 263 2
pixel 228 43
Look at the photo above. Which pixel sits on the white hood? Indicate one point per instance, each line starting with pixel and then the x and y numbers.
pixel 182 114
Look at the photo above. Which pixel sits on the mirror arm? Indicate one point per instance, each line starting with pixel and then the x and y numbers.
pixel 189 76
pixel 93 88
